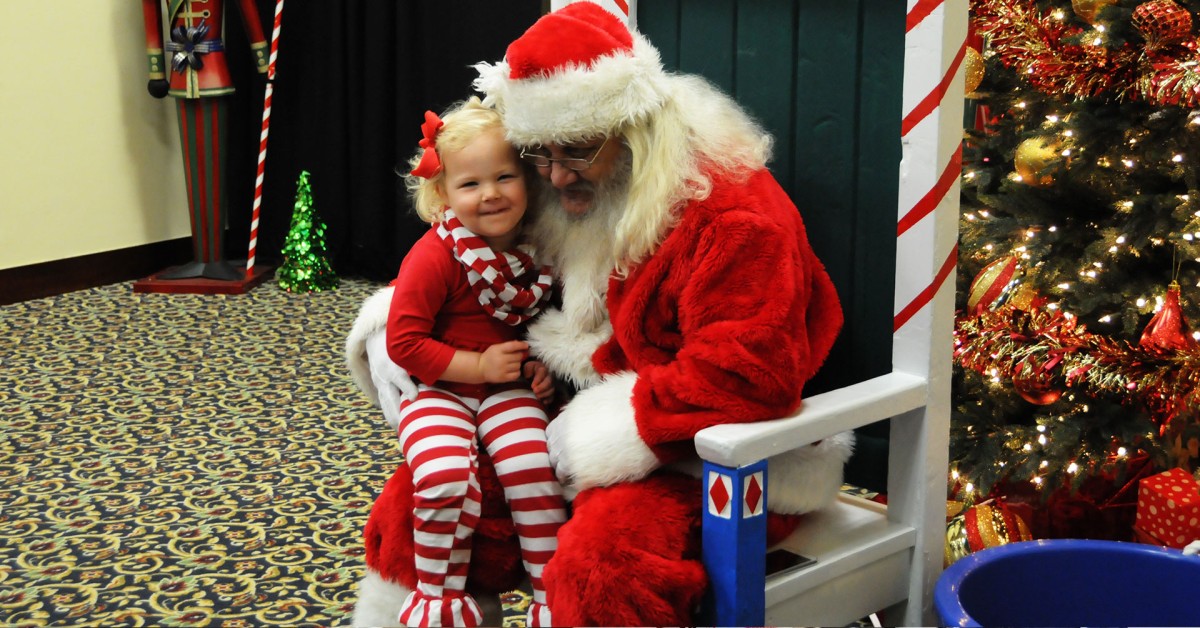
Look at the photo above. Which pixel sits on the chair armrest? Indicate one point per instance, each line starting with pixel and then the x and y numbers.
pixel 819 416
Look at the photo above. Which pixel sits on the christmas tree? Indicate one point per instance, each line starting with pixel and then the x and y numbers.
pixel 305 263
pixel 1075 370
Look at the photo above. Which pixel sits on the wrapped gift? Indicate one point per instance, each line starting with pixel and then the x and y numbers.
pixel 1168 509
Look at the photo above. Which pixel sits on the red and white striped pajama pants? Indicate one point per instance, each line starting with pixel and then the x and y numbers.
pixel 439 432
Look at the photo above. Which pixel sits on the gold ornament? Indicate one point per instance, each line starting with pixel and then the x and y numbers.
pixel 1087 10
pixel 1035 159
pixel 972 70
pixel 992 284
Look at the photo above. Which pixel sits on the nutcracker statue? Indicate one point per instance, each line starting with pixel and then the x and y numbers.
pixel 195 72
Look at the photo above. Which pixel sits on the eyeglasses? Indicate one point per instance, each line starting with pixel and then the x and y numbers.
pixel 577 164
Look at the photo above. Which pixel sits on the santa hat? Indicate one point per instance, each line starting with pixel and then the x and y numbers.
pixel 576 73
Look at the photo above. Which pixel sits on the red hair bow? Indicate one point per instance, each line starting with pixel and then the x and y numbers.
pixel 430 164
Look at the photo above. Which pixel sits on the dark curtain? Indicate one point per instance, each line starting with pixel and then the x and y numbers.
pixel 353 79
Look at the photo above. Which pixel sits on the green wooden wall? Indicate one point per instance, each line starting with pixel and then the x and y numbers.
pixel 825 78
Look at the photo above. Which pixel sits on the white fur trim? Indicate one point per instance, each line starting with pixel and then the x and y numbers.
pixel 372 317
pixel 577 102
pixel 379 601
pixel 566 349
pixel 808 478
pixel 801 480
pixel 594 441
pixel 380 379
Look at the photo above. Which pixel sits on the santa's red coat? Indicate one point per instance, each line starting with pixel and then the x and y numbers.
pixel 723 323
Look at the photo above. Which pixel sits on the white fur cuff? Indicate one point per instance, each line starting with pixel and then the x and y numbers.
pixel 594 441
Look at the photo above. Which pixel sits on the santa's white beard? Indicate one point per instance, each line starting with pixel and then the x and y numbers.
pixel 579 247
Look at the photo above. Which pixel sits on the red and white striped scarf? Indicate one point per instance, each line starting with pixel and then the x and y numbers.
pixel 496 279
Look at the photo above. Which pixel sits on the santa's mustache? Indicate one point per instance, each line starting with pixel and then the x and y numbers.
pixel 579 186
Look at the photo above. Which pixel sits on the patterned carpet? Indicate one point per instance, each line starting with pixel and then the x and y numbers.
pixel 185 460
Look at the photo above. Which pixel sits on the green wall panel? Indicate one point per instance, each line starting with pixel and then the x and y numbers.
pixel 825 79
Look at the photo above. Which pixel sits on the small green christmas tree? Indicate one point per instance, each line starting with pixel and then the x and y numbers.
pixel 305 265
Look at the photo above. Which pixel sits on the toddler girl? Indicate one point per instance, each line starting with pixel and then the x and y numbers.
pixel 462 296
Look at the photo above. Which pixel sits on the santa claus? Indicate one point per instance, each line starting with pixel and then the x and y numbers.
pixel 690 298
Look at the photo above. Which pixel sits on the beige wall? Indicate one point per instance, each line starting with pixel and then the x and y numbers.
pixel 89 162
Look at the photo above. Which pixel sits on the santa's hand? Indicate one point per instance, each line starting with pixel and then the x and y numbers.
pixel 594 441
pixel 392 383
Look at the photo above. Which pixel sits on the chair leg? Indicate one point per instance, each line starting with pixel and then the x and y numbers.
pixel 735 543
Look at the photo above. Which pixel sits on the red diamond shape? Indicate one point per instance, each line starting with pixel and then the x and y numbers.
pixel 753 494
pixel 718 494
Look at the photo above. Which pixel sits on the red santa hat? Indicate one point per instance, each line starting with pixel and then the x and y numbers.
pixel 576 73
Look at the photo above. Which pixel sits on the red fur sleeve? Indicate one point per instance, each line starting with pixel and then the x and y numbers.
pixel 743 314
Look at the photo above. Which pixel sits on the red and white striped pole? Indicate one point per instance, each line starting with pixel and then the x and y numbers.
pixel 262 140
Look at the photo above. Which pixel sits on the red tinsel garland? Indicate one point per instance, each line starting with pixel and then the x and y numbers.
pixel 1034 43
pixel 1050 345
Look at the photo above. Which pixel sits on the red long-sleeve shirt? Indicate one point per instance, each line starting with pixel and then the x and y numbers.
pixel 434 312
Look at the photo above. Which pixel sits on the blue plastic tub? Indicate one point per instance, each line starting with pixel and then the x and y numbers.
pixel 1070 583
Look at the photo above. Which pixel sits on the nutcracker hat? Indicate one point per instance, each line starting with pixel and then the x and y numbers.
pixel 577 73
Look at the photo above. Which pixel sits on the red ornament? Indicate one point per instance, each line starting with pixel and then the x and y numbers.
pixel 1162 22
pixel 1168 330
pixel 989 524
pixel 1037 389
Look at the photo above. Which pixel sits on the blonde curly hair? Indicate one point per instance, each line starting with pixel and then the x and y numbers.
pixel 463 122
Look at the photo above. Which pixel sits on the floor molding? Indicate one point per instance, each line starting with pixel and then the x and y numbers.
pixel 89 271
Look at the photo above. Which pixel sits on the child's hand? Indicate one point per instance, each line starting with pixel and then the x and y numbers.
pixel 539 380
pixel 501 363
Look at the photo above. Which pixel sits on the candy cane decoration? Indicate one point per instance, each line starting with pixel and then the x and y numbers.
pixel 262 140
